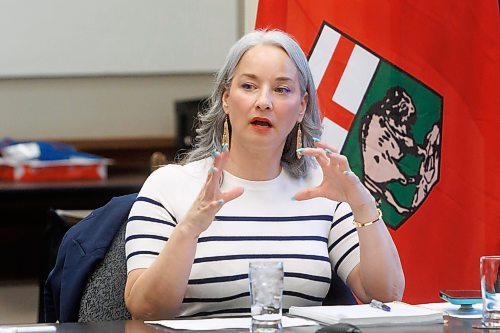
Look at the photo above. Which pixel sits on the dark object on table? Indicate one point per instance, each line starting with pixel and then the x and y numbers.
pixel 340 328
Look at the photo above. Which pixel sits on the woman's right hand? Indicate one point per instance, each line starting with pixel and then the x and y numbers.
pixel 210 199
pixel 157 292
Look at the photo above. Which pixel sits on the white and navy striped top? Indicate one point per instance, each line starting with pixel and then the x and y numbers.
pixel 311 237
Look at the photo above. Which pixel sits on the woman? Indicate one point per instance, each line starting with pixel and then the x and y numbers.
pixel 252 190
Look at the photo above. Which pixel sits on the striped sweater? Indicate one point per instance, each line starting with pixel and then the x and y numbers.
pixel 311 237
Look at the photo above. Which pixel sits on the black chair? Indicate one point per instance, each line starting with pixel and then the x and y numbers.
pixel 87 282
pixel 102 297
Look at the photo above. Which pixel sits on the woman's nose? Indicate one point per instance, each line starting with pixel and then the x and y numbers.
pixel 264 100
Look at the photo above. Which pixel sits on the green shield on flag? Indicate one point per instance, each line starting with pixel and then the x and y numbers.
pixel 394 142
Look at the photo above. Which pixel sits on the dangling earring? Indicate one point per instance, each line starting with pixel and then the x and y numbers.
pixel 225 134
pixel 299 141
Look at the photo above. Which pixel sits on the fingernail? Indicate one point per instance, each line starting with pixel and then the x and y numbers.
pixel 212 170
pixel 214 153
pixel 316 139
pixel 329 151
pixel 300 150
pixel 221 202
pixel 293 198
pixel 224 147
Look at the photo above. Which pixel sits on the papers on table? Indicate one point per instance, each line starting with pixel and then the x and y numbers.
pixel 221 323
pixel 28 329
pixel 365 315
pixel 361 315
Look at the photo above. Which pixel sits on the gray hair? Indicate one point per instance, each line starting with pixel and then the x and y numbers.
pixel 211 120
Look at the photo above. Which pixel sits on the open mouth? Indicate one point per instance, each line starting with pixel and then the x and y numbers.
pixel 261 122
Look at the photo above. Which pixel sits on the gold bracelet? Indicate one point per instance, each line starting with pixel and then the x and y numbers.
pixel 361 225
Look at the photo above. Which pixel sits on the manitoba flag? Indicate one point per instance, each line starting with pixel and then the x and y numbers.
pixel 409 92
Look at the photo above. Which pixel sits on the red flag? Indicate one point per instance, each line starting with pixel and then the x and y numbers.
pixel 441 182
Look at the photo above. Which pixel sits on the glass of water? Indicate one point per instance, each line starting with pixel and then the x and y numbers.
pixel 490 290
pixel 266 292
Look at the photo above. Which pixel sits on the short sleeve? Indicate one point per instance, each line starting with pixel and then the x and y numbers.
pixel 343 242
pixel 150 222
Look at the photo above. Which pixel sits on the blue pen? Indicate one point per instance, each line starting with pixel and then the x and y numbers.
pixel 379 305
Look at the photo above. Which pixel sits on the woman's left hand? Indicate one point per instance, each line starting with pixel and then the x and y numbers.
pixel 379 274
pixel 339 182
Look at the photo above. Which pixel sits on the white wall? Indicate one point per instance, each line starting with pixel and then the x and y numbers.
pixel 91 107
pixel 105 106
pixel 102 37
pixel 250 13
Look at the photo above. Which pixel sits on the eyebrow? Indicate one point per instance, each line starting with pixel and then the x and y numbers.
pixel 280 78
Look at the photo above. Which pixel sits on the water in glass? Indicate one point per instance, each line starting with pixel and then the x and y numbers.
pixel 490 290
pixel 266 290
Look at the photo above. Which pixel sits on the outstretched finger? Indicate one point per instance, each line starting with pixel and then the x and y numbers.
pixel 212 187
pixel 328 148
pixel 232 193
pixel 319 154
pixel 220 158
pixel 226 196
pixel 215 171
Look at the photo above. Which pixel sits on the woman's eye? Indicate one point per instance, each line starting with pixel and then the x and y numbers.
pixel 283 90
pixel 246 86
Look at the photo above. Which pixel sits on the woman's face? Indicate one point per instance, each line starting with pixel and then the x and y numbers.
pixel 264 101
